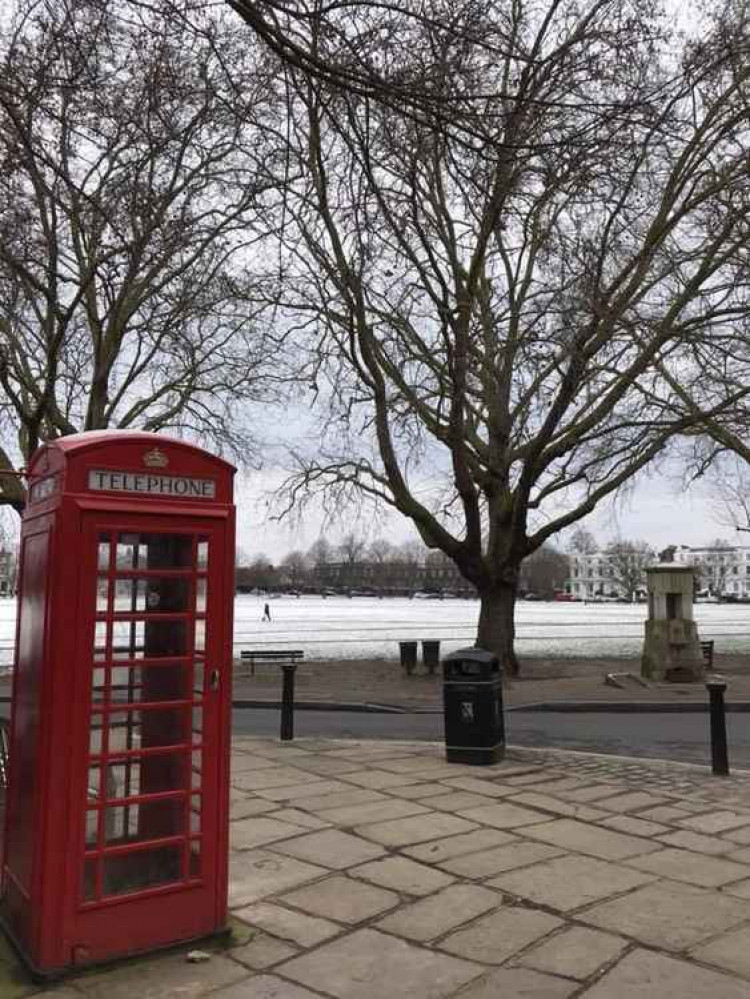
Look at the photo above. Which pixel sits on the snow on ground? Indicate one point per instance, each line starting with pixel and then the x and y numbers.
pixel 368 628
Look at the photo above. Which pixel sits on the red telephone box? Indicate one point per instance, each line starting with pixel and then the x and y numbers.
pixel 116 829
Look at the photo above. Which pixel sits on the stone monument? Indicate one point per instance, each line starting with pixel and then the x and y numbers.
pixel 671 648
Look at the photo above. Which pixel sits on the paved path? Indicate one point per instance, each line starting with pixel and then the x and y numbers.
pixel 378 871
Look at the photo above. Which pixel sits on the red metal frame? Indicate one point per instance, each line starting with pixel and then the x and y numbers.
pixel 117 843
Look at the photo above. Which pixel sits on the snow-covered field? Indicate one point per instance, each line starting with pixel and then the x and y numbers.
pixel 365 627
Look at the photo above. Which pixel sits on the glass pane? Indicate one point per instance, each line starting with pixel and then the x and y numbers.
pixel 165 772
pixel 195 814
pixel 100 641
pixel 88 888
pixel 147 729
pixel 92 826
pixel 201 560
pixel 94 783
pixel 128 639
pixel 195 858
pixel 136 684
pixel 198 721
pixel 154 551
pixel 198 678
pixel 200 636
pixel 102 593
pixel 142 869
pixel 200 596
pixel 149 639
pixel 151 596
pixel 196 777
pixel 141 821
pixel 95 735
pixel 102 560
pixel 98 681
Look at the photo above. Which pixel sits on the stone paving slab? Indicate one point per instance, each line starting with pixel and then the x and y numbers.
pixel 377 871
pixel 368 964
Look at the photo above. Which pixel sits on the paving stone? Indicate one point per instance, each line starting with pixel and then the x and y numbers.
pixel 263 951
pixel 663 813
pixel 288 925
pixel 740 856
pixel 569 882
pixel 417 829
pixel 325 767
pixel 353 815
pixel 643 974
pixel 166 977
pixel 519 983
pixel 331 848
pixel 604 843
pixel 345 799
pixel 372 965
pixel 494 938
pixel 258 831
pixel 730 951
pixel 498 859
pixel 576 952
pixel 256 780
pixel 487 788
pixel 688 840
pixel 432 917
pixel 741 836
pixel 547 803
pixel 455 801
pixel 526 780
pixel 379 779
pixel 715 822
pixel 299 818
pixel 560 785
pixel 242 762
pixel 415 792
pixel 265 987
pixel 345 899
pixel 503 815
pixel 458 846
pixel 631 802
pixel 243 808
pixel 692 868
pixel 254 874
pixel 634 826
pixel 669 915
pixel 593 792
pixel 403 875
pixel 740 889
pixel 312 788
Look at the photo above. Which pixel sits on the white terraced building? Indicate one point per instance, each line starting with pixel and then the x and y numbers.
pixel 595 577
pixel 724 570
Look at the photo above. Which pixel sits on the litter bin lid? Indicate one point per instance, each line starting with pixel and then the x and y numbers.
pixel 472 654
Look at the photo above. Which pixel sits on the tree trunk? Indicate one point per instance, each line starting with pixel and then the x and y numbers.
pixel 496 630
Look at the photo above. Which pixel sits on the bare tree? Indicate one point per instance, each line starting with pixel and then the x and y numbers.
pixel 544 572
pixel 129 173
pixel 498 324
pixel 296 565
pixel 583 541
pixel 628 561
pixel 351 548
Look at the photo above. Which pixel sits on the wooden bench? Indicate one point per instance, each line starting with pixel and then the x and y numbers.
pixel 275 656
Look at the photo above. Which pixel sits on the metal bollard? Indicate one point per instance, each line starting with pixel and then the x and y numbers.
pixel 719 756
pixel 287 702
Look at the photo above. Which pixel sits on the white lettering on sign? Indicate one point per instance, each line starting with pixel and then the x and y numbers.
pixel 159 485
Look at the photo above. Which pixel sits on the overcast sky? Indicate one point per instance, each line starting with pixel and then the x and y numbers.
pixel 658 511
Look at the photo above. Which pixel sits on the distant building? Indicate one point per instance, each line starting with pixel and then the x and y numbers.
pixel 597 576
pixel 723 570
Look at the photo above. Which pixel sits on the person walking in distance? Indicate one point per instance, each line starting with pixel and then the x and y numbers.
pixel 266 612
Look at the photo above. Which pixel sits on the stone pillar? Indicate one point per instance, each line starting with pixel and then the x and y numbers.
pixel 671 648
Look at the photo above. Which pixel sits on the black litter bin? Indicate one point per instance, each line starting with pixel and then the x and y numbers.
pixel 408 652
pixel 473 705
